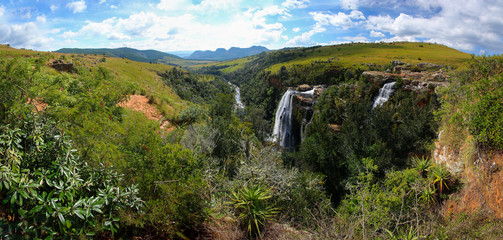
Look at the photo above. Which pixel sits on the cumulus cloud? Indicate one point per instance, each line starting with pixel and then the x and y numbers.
pixel 295 3
pixel 341 20
pixel 376 34
pixel 26 35
pixel 305 38
pixel 76 7
pixel 459 25
pixel 148 30
pixel 296 29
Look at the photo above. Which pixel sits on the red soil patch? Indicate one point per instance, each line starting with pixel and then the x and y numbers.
pixel 483 191
pixel 140 103
pixel 39 105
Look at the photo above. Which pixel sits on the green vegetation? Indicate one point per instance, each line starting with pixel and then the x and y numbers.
pixel 48 193
pixel 348 55
pixel 473 101
pixel 75 164
pixel 251 205
pixel 151 56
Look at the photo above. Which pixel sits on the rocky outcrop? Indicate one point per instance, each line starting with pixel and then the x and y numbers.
pixel 62 66
pixel 412 81
pixel 448 156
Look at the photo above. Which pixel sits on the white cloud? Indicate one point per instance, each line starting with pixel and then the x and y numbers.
pixel 214 5
pixel 76 7
pixel 349 4
pixel 376 34
pixel 357 39
pixel 295 3
pixel 103 1
pixel 149 30
pixel 340 19
pixel 296 29
pixel 117 36
pixel 113 6
pixel 355 14
pixel 41 19
pixel 26 35
pixel 2 10
pixel 459 25
pixel 54 8
pixel 172 4
pixel 305 38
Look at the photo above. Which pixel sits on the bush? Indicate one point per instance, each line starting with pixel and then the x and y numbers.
pixel 473 101
pixel 47 192
pixel 253 207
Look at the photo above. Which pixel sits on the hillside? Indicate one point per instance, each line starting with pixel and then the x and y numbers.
pixel 93 146
pixel 129 53
pixel 222 54
pixel 361 55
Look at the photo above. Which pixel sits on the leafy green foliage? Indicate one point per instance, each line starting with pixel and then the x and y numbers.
pixel 251 204
pixel 473 101
pixel 48 192
pixel 383 205
pixel 388 134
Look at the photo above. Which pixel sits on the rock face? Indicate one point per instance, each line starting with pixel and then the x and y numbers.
pixel 448 156
pixel 62 66
pixel 412 81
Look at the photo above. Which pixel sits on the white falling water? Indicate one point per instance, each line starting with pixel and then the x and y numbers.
pixel 237 98
pixel 282 131
pixel 384 94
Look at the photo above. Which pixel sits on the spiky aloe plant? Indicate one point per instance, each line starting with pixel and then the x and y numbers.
pixel 422 165
pixel 251 203
pixel 428 195
pixel 441 177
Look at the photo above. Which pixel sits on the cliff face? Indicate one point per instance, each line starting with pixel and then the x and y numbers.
pixel 303 110
pixel 482 193
pixel 479 172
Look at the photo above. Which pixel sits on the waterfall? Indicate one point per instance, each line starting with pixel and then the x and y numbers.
pixel 282 131
pixel 237 97
pixel 384 94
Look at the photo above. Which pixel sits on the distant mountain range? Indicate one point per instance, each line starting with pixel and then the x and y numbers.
pixel 167 58
pixel 129 53
pixel 221 54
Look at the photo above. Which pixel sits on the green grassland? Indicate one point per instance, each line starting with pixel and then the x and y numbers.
pixel 182 62
pixel 141 78
pixel 227 66
pixel 358 54
pixel 382 53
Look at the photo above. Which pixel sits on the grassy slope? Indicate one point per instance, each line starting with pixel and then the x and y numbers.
pixel 143 76
pixel 360 53
pixel 183 62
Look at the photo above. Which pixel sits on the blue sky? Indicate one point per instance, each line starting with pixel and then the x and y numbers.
pixel 474 26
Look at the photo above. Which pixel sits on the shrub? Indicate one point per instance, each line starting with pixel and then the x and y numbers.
pixel 252 206
pixel 47 192
pixel 473 101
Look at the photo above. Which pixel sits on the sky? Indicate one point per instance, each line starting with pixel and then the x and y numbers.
pixel 473 26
